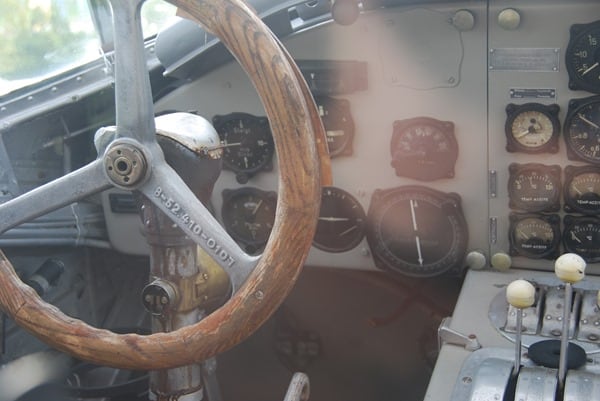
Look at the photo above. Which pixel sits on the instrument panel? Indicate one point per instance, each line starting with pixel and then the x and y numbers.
pixel 501 118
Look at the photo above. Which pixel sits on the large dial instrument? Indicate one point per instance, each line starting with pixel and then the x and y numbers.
pixel 583 57
pixel 417 231
pixel 582 130
pixel 342 221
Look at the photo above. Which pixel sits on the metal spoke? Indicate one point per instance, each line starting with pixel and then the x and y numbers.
pixel 170 194
pixel 133 96
pixel 61 192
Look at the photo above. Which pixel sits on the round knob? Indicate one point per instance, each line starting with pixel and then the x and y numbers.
pixel 509 19
pixel 463 20
pixel 570 268
pixel 476 260
pixel 520 294
pixel 501 261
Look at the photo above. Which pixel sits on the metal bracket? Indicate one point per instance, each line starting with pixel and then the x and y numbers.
pixel 448 336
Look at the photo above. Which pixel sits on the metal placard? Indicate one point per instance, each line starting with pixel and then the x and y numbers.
pixel 532 93
pixel 524 59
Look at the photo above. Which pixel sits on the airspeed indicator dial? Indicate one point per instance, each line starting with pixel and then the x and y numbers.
pixel 582 130
pixel 342 221
pixel 583 57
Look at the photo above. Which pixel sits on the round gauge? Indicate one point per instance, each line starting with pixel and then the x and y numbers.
pixel 583 57
pixel 424 148
pixel 534 236
pixel 338 124
pixel 248 216
pixel 582 189
pixel 247 143
pixel 417 231
pixel 532 128
pixel 534 187
pixel 342 221
pixel 582 130
pixel 581 235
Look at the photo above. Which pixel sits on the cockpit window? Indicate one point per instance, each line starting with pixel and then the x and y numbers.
pixel 156 14
pixel 42 38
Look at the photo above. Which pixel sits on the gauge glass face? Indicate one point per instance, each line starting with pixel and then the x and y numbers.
pixel 338 123
pixel 424 149
pixel 582 131
pixel 248 214
pixel 532 129
pixel 582 236
pixel 342 221
pixel 583 192
pixel 418 231
pixel 533 237
pixel 247 142
pixel 583 57
pixel 534 189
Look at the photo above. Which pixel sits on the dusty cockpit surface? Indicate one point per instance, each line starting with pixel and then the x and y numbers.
pixel 463 146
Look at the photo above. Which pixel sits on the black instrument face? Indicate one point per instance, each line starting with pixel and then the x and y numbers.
pixel 424 148
pixel 417 231
pixel 534 187
pixel 581 235
pixel 342 221
pixel 338 123
pixel 582 130
pixel 248 216
pixel 582 189
pixel 583 57
pixel 532 128
pixel 534 236
pixel 247 143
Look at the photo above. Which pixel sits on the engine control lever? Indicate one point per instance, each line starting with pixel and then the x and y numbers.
pixel 450 336
pixel 570 269
pixel 520 294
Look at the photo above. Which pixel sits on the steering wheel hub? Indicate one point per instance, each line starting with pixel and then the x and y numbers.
pixel 125 164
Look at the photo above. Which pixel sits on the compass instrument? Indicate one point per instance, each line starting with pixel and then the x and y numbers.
pixel 582 189
pixel 342 221
pixel 534 187
pixel 583 57
pixel 582 130
pixel 338 123
pixel 417 231
pixel 248 215
pixel 424 148
pixel 534 236
pixel 581 235
pixel 247 144
pixel 532 128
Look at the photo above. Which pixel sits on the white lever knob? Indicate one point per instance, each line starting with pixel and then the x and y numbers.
pixel 570 268
pixel 520 294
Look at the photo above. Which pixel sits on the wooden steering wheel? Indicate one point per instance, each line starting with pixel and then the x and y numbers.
pixel 260 284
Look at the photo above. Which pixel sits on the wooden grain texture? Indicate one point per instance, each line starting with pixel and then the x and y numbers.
pixel 293 119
